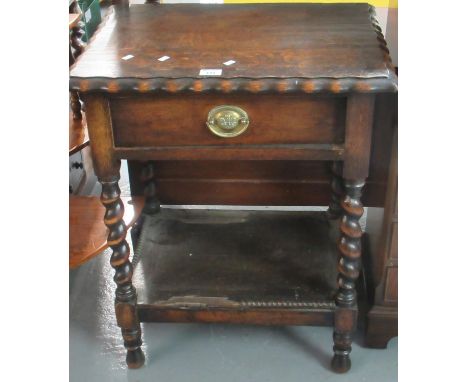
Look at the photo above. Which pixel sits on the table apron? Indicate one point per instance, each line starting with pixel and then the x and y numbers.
pixel 274 152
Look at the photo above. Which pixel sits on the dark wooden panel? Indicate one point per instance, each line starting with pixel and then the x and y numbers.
pixel 391 285
pixel 383 129
pixel 381 327
pixel 181 120
pixel 267 41
pixel 241 193
pixel 148 313
pixel 211 171
pixel 235 153
pixel 231 265
pixel 382 319
pixel 279 183
pixel 238 182
pixel 359 119
pixel 270 183
pixel 106 165
pixel 393 250
pixel 236 260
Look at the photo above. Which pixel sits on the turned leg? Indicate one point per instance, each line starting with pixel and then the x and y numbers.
pixel 75 105
pixel 349 266
pixel 152 204
pixel 125 294
pixel 75 39
pixel 334 209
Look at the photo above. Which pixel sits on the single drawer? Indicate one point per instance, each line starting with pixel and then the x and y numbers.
pixel 181 120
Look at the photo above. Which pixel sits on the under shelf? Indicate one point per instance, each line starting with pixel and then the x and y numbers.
pixel 270 267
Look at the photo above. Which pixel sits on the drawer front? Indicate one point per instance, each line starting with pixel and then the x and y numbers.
pixel 181 120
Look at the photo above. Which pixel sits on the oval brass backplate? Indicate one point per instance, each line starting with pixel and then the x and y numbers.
pixel 227 121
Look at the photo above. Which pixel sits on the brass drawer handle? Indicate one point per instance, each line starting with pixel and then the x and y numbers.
pixel 227 121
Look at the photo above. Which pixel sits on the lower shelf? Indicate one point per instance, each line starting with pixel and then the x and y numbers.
pixel 259 267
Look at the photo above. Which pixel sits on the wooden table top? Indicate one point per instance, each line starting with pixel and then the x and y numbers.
pixel 280 47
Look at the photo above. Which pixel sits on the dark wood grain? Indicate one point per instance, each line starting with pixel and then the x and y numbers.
pixel 386 250
pixel 267 182
pixel 235 152
pixel 164 120
pixel 349 267
pixel 125 293
pixel 244 266
pixel 252 316
pixel 359 118
pixel 382 326
pixel 277 47
pixel 237 182
pixel 107 168
pixel 250 269
pixel 106 165
pixel 391 285
pixel 382 318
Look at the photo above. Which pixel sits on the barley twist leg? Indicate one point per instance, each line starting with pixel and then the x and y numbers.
pixel 349 267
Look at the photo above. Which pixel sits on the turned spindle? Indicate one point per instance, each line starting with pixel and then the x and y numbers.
pixel 76 47
pixel 349 267
pixel 125 294
pixel 75 39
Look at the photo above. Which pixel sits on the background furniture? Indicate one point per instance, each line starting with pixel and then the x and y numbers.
pixel 76 46
pixel 382 262
pixel 91 12
pixel 313 100
pixel 77 128
pixel 88 236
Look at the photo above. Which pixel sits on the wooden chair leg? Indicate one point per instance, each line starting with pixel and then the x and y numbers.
pixel 349 267
pixel 125 294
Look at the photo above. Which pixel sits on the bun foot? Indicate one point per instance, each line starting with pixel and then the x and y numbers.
pixel 135 358
pixel 340 363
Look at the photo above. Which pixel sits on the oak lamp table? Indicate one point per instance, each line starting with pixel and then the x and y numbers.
pixel 235 82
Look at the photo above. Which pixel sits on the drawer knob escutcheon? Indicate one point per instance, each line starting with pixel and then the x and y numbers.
pixel 227 121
